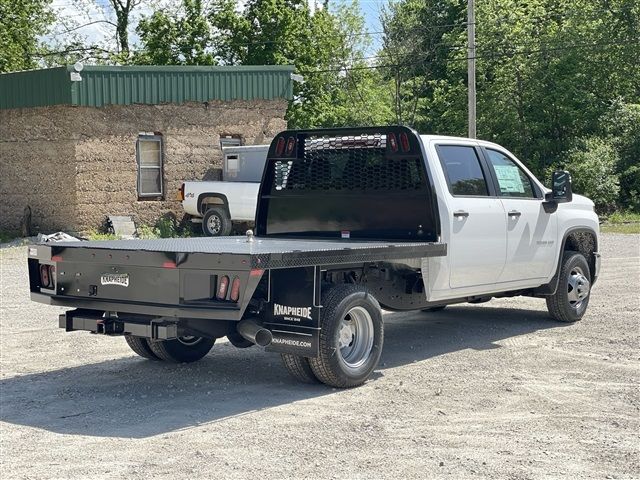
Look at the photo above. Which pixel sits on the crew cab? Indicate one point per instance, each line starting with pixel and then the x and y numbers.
pixel 348 222
pixel 218 204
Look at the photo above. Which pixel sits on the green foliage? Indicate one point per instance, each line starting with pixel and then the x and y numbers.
pixel 21 23
pixel 623 127
pixel 623 217
pixel 147 231
pixel 6 237
pixel 278 32
pixel 96 235
pixel 166 227
pixel 592 166
pixel 173 38
pixel 622 222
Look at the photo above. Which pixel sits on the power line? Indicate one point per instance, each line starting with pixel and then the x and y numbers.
pixel 492 56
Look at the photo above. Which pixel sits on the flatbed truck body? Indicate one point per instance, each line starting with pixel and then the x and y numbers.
pixel 348 221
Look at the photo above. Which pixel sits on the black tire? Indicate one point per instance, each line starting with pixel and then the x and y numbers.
pixel 434 309
pixel 216 222
pixel 353 304
pixel 141 346
pixel 571 299
pixel 183 349
pixel 299 368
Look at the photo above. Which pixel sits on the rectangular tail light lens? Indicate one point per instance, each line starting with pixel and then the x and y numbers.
pixel 235 290
pixel 223 287
pixel 45 276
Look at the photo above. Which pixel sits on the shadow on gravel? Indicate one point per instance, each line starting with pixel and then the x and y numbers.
pixel 136 398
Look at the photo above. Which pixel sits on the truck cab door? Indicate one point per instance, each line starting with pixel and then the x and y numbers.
pixel 477 240
pixel 531 232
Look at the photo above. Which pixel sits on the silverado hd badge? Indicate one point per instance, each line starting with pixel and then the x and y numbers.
pixel 121 279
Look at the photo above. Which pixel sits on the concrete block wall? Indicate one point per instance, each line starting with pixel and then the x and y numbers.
pixel 89 156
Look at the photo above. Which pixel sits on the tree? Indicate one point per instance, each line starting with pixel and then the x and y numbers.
pixel 21 23
pixel 122 9
pixel 169 38
pixel 593 168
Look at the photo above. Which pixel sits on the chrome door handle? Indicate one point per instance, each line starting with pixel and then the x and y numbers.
pixel 514 213
pixel 460 213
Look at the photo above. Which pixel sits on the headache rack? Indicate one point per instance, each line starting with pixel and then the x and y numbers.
pixel 365 183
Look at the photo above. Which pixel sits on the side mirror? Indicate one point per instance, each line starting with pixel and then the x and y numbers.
pixel 561 191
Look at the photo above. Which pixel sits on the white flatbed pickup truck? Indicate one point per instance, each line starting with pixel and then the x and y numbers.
pixel 349 221
pixel 217 205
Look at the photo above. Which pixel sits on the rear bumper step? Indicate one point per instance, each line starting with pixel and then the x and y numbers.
pixel 75 320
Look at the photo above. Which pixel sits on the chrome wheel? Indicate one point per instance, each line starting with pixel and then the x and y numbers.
pixel 355 337
pixel 189 340
pixel 214 224
pixel 577 288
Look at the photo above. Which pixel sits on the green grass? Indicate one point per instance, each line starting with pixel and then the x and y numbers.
pixel 621 222
pixel 620 228
pixel 623 217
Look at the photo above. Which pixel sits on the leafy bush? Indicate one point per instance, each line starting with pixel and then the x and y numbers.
pixel 167 226
pixel 95 235
pixel 593 169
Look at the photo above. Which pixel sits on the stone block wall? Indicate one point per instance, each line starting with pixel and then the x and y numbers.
pixel 75 165
pixel 37 169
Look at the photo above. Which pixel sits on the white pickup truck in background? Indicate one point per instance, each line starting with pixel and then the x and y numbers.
pixel 217 204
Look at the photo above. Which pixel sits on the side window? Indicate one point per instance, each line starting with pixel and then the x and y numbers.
pixel 462 168
pixel 149 158
pixel 512 180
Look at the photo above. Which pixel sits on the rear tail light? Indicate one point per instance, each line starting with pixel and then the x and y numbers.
pixel 404 142
pixel 181 193
pixel 45 276
pixel 235 290
pixel 393 142
pixel 223 287
pixel 280 146
pixel 291 143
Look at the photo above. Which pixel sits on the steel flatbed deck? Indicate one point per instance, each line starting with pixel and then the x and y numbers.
pixel 264 253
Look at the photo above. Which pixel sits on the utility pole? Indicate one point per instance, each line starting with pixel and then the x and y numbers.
pixel 471 67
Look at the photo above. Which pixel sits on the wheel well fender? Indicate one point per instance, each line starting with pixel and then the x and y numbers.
pixel 583 240
pixel 207 198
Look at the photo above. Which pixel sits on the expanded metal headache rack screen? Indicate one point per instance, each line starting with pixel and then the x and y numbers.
pixel 349 184
pixel 348 163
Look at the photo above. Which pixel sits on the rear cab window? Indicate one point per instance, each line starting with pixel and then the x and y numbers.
pixel 463 170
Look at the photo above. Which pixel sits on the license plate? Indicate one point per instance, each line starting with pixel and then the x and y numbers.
pixel 121 279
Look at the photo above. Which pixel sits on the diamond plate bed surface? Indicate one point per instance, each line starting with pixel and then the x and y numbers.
pixel 235 245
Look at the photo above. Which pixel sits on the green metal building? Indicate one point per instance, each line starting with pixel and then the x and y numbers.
pixel 96 86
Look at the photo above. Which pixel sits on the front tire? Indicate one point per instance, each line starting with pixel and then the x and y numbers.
pixel 351 337
pixel 216 222
pixel 571 299
pixel 184 349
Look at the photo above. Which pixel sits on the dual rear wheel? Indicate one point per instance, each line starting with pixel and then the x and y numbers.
pixel 184 349
pixel 351 340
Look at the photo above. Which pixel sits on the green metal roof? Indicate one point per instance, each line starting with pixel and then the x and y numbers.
pixel 143 84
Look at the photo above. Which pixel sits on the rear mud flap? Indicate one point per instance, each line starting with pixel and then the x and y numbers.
pixel 293 311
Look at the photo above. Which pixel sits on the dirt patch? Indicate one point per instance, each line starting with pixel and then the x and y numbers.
pixel 490 391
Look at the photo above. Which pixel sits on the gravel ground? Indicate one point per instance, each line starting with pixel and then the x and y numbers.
pixel 486 391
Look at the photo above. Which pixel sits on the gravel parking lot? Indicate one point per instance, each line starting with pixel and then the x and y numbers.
pixel 488 391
